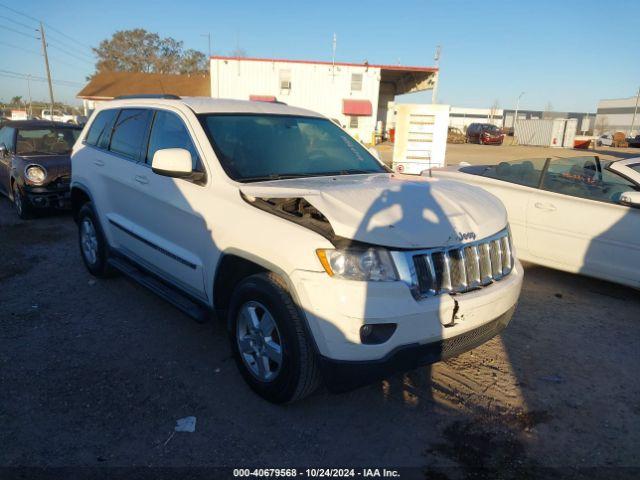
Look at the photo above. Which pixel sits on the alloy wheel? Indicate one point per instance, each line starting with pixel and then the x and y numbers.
pixel 259 341
pixel 89 240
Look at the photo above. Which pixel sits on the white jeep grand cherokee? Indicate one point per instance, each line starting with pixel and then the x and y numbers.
pixel 323 262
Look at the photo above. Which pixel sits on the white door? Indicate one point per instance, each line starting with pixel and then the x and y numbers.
pixel 575 223
pixel 173 237
pixel 518 180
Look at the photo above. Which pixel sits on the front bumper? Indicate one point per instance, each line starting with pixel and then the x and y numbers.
pixel 48 197
pixel 341 376
pixel 336 309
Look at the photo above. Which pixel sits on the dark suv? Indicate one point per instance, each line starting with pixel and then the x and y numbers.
pixel 484 133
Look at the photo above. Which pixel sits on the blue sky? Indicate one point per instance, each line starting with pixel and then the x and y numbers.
pixel 566 53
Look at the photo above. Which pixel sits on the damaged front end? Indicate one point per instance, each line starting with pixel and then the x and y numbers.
pixel 297 210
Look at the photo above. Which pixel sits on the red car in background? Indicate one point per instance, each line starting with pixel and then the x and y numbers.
pixel 484 134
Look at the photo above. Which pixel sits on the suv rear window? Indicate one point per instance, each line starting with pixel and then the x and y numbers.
pixel 130 132
pixel 100 130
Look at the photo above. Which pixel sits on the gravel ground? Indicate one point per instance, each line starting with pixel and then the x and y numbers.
pixel 96 373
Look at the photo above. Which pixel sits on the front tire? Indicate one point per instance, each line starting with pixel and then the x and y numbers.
pixel 93 245
pixel 23 208
pixel 269 342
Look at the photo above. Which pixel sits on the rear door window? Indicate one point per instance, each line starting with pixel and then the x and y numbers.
pixel 100 131
pixel 130 132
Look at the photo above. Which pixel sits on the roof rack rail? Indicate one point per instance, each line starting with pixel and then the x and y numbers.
pixel 167 96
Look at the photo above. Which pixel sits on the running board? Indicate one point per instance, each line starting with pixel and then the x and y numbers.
pixel 183 303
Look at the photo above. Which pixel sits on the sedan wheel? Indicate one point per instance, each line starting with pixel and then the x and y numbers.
pixel 19 203
pixel 259 341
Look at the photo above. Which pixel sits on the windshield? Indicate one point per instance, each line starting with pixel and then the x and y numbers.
pixel 271 147
pixel 491 129
pixel 46 141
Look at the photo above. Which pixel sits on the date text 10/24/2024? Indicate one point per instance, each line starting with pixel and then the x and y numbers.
pixel 316 472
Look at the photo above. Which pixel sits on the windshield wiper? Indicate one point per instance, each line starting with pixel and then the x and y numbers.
pixel 273 176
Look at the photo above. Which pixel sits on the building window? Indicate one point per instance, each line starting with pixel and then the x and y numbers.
pixel 356 82
pixel 353 122
pixel 285 82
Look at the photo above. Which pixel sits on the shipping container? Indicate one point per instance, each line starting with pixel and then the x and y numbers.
pixel 558 132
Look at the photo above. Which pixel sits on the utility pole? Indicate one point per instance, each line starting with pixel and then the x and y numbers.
pixel 333 55
pixel 208 35
pixel 436 58
pixel 29 89
pixel 515 117
pixel 635 112
pixel 46 64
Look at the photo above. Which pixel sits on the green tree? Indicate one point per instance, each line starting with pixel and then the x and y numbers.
pixel 16 101
pixel 141 51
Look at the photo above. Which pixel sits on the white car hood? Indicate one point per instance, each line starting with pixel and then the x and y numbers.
pixel 399 211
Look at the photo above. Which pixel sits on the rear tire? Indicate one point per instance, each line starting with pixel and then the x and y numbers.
pixel 269 341
pixel 93 245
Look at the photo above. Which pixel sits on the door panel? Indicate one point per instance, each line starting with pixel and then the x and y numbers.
pixel 171 236
pixel 166 233
pixel 592 236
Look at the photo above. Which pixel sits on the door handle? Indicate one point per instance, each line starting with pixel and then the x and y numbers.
pixel 548 207
pixel 141 179
pixel 99 163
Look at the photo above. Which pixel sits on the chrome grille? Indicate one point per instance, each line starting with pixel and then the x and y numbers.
pixel 461 268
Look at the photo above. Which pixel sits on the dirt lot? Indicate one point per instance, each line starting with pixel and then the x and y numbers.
pixel 96 373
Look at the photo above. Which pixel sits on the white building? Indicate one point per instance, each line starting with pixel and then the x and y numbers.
pixel 618 115
pixel 357 95
pixel 463 117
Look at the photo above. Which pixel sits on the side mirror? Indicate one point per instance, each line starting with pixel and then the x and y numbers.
pixel 172 162
pixel 630 199
pixel 373 151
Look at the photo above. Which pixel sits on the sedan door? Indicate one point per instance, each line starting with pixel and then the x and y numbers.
pixel 514 183
pixel 575 223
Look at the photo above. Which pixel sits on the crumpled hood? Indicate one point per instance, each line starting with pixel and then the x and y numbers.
pixel 399 211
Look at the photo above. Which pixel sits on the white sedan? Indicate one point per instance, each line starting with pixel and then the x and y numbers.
pixel 577 214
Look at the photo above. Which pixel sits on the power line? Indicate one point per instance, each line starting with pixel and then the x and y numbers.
pixel 39 54
pixel 20 48
pixel 17 31
pixel 66 44
pixel 17 22
pixel 70 54
pixel 48 26
pixel 39 78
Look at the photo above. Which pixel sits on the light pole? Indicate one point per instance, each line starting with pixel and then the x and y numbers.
pixel 635 112
pixel 208 35
pixel 515 117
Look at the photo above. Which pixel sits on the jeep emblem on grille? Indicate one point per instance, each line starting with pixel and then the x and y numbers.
pixel 466 236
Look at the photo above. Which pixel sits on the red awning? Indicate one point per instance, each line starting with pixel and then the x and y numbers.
pixel 262 98
pixel 356 107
